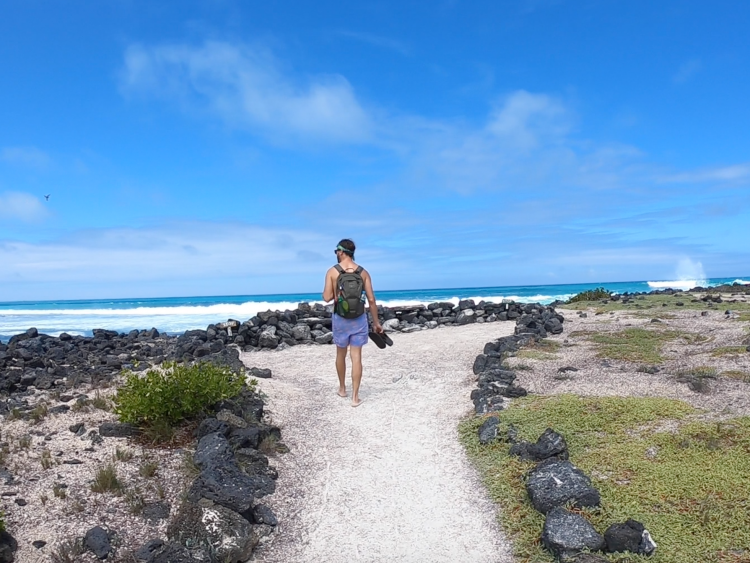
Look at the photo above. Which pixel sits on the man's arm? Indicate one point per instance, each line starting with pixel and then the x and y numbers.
pixel 371 301
pixel 328 288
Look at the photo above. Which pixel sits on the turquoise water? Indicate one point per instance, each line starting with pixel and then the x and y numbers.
pixel 177 314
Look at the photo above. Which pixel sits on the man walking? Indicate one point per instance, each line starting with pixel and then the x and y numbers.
pixel 347 284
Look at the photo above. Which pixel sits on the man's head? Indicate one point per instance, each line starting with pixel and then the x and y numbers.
pixel 345 248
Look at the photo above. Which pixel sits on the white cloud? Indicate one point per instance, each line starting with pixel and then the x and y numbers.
pixel 525 120
pixel 21 206
pixel 733 173
pixel 217 257
pixel 526 142
pixel 25 156
pixel 247 88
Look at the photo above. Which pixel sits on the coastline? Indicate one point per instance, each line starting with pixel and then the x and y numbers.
pixel 175 315
pixel 292 366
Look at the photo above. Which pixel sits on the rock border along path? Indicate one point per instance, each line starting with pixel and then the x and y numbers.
pixel 389 480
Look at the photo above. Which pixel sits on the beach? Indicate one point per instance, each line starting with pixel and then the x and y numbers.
pixel 362 484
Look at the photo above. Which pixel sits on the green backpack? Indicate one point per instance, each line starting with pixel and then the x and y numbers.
pixel 350 293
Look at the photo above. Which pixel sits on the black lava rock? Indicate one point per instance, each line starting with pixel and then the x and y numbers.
pixel 260 373
pixel 554 483
pixel 549 445
pixel 8 547
pixel 566 534
pixel 488 430
pixel 98 540
pixel 629 536
pixel 211 425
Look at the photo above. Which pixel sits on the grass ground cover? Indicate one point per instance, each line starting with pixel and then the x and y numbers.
pixel 662 303
pixel 737 374
pixel 690 486
pixel 729 351
pixel 543 350
pixel 636 344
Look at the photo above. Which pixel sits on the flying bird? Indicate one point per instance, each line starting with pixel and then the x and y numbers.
pixel 46 198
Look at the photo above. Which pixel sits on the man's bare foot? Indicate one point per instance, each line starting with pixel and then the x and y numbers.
pixel 356 402
pixel 341 392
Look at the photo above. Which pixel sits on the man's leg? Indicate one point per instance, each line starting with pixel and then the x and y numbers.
pixel 341 370
pixel 356 352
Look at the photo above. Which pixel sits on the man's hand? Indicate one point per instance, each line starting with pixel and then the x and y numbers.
pixel 378 328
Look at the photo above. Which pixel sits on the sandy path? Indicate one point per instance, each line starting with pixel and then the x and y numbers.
pixel 387 481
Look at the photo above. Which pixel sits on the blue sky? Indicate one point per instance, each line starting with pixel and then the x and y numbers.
pixel 222 147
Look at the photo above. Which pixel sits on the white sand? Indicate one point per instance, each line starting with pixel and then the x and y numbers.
pixel 387 481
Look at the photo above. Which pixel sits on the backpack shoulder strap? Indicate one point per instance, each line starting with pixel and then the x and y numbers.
pixel 359 270
pixel 339 269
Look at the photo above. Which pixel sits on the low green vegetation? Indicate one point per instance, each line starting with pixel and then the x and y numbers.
pixel 542 350
pixel 107 481
pixel 59 491
pixel 122 454
pixel 38 413
pixel 2 521
pixel 174 393
pixel 658 303
pixel 148 469
pixel 69 551
pixel 687 481
pixel 532 354
pixel 729 351
pixel 736 374
pixel 698 371
pixel 591 295
pixel 635 344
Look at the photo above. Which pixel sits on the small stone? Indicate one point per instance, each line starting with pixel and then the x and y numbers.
pixel 261 373
pixel 98 540
pixel 231 419
pixel 72 461
pixel 264 515
pixel 117 430
pixel 156 511
pixel 20 502
pixel 76 428
pixel 39 544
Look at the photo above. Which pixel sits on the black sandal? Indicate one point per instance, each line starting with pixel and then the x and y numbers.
pixel 378 339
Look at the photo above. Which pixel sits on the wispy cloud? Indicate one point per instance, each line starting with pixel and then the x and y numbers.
pixel 687 70
pixel 248 88
pixel 377 41
pixel 25 156
pixel 238 258
pixel 21 206
pixel 737 173
pixel 524 119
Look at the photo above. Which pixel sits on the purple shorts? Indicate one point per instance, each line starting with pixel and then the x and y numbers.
pixel 350 332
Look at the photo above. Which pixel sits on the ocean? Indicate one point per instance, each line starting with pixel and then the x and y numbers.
pixel 177 314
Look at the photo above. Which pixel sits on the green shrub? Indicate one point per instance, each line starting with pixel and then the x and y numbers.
pixel 174 392
pixel 2 521
pixel 591 295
